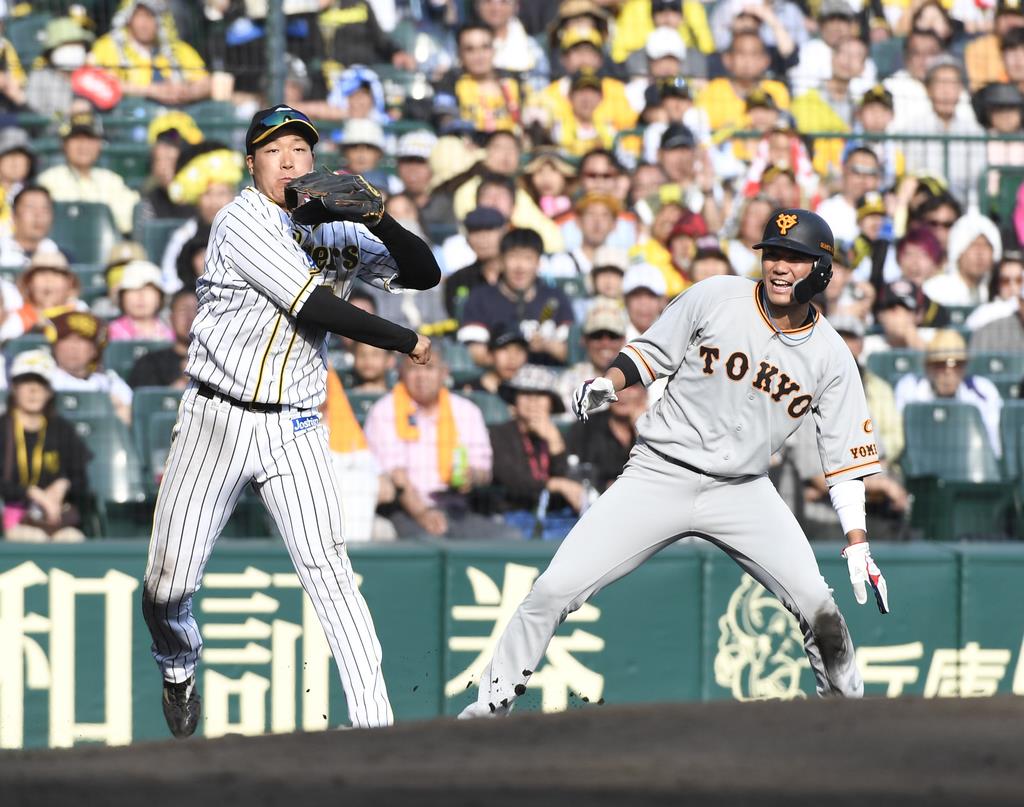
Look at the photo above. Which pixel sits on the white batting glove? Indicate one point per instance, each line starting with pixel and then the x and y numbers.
pixel 593 395
pixel 863 569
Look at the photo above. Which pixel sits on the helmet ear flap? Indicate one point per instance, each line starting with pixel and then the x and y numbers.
pixel 816 282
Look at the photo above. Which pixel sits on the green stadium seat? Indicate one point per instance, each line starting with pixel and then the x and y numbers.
pixel 121 356
pixel 130 160
pixel 494 408
pixel 153 435
pixel 461 365
pixel 1011 432
pixel 361 403
pixel 26 34
pixel 10 273
pixel 211 110
pixel 958 314
pixel 115 477
pixel 577 351
pixel 90 403
pixel 155 235
pixel 92 279
pixel 887 55
pixel 30 341
pixel 85 230
pixel 953 474
pixel 1009 388
pixel 575 288
pixel 147 402
pixel 892 365
pixel 999 366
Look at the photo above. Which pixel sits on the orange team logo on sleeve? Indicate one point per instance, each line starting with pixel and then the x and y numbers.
pixel 868 426
pixel 786 222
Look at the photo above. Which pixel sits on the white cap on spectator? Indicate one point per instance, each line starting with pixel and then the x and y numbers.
pixel 140 273
pixel 644 276
pixel 611 256
pixel 665 41
pixel 417 145
pixel 965 232
pixel 847 323
pixel 363 131
pixel 33 362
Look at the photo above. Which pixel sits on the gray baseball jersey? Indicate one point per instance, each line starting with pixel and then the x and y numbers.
pixel 737 388
pixel 247 345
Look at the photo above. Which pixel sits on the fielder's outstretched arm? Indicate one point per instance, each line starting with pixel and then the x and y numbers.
pixel 324 310
pixel 417 266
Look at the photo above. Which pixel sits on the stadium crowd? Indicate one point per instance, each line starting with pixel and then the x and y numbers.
pixel 574 166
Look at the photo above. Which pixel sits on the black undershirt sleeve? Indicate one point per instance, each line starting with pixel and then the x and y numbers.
pixel 628 368
pixel 417 267
pixel 323 309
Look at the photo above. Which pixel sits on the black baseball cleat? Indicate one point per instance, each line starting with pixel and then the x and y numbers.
pixel 182 707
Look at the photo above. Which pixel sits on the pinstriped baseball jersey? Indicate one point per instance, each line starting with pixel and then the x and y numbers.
pixel 260 269
pixel 738 387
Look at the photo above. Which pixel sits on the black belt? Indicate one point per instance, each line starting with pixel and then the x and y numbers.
pixel 205 391
pixel 686 465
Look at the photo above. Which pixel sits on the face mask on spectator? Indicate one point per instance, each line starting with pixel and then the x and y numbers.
pixel 68 57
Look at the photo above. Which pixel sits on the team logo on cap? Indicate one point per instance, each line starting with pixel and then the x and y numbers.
pixel 786 222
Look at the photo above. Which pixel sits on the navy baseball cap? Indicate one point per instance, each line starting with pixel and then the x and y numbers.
pixel 268 124
pixel 678 136
pixel 484 218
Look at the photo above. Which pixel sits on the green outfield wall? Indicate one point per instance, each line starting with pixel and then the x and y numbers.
pixel 75 665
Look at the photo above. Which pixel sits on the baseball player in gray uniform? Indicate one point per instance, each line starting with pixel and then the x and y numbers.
pixel 745 363
pixel 270 292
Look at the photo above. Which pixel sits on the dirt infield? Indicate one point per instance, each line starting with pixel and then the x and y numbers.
pixel 874 752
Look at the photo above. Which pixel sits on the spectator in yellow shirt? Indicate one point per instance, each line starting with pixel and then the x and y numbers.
pixel 637 18
pixel 145 54
pixel 832 107
pixel 724 99
pixel 12 77
pixel 583 50
pixel 581 132
pixel 981 56
pixel 487 98
pixel 79 180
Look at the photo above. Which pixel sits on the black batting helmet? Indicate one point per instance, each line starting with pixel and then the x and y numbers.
pixel 805 232
pixel 798 230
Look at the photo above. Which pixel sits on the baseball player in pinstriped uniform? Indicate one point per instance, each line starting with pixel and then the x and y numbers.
pixel 257 361
pixel 745 362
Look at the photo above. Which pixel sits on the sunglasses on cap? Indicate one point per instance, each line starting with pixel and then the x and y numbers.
pixel 274 120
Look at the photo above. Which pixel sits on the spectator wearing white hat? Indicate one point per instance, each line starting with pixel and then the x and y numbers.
pixel 141 296
pixel 604 335
pixel 17 167
pixel 42 460
pixel 413 168
pixel 362 146
pixel 974 249
pixel 664 56
pixel 644 289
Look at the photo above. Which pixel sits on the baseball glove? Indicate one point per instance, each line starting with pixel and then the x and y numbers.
pixel 323 196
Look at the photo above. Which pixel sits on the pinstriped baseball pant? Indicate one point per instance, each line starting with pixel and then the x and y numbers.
pixel 651 505
pixel 217 450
